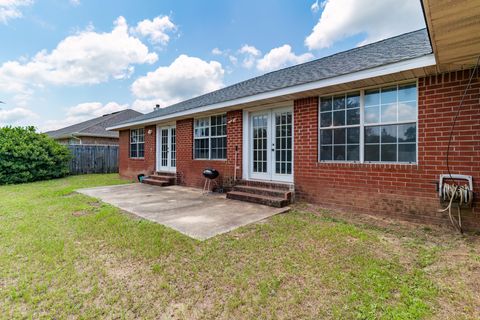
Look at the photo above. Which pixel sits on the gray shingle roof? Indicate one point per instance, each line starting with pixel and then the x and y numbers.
pixel 96 126
pixel 403 47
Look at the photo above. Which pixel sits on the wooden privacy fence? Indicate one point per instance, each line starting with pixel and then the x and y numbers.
pixel 93 159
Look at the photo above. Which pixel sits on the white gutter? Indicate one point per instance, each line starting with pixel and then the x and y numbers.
pixel 424 61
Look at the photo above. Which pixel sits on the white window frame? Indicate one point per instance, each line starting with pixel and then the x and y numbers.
pixel 209 137
pixel 345 126
pixel 363 125
pixel 130 143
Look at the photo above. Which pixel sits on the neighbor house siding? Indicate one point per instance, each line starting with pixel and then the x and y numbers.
pixel 397 190
pixel 189 170
pixel 90 140
pixel 130 167
pixel 99 140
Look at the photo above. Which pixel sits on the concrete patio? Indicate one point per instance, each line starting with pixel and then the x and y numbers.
pixel 183 209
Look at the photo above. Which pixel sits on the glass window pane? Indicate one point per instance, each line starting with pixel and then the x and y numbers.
pixel 407 92
pixel 339 102
pixel 353 153
pixel 389 95
pixel 353 116
pixel 326 136
pixel 372 115
pixel 339 136
pixel 133 150
pixel 339 118
pixel 372 152
pixel 353 135
pixel 372 97
pixel 339 153
pixel 388 113
pixel 407 111
pixel 407 153
pixel 325 119
pixel 407 133
pixel 389 134
pixel 372 134
pixel 389 152
pixel 326 104
pixel 353 100
pixel 326 153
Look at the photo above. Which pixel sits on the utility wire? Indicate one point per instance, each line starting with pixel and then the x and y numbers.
pixel 456 118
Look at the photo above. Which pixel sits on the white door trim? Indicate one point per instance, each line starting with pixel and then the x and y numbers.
pixel 247 161
pixel 169 167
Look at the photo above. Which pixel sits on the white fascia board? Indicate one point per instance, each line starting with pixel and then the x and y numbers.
pixel 424 61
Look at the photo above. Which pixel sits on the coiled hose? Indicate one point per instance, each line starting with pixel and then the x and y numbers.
pixel 462 196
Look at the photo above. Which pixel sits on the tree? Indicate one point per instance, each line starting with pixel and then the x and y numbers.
pixel 26 156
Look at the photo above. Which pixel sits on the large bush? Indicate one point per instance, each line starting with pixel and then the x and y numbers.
pixel 26 155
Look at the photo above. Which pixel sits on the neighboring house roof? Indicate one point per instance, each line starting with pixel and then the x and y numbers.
pixel 400 48
pixel 95 127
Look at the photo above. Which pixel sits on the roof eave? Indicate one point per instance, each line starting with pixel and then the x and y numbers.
pixel 418 62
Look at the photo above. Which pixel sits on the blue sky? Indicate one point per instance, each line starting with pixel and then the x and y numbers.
pixel 65 61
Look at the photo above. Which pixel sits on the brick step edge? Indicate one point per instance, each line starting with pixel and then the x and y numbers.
pixel 163 173
pixel 265 185
pixel 260 199
pixel 162 178
pixel 287 195
pixel 154 182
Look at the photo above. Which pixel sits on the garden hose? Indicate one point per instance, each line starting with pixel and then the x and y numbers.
pixel 462 196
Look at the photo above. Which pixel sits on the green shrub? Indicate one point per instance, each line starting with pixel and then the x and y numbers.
pixel 26 156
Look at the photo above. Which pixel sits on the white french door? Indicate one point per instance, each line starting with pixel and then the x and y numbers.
pixel 166 148
pixel 271 145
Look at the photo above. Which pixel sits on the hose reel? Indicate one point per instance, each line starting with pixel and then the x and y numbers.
pixel 455 194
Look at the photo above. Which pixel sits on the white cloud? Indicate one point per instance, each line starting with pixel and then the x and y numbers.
pixel 281 57
pixel 82 112
pixel 157 29
pixel 185 78
pixel 87 57
pixel 217 52
pixel 75 3
pixel 376 19
pixel 250 54
pixel 11 9
pixel 94 109
pixel 15 115
pixel 315 7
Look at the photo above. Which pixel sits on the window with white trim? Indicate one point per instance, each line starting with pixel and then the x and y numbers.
pixel 137 143
pixel 340 127
pixel 388 124
pixel 210 137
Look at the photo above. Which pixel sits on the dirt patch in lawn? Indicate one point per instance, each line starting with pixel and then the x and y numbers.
pixel 449 259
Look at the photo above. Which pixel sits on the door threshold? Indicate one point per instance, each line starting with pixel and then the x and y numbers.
pixel 270 181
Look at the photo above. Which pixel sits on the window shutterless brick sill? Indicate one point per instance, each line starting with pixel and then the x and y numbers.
pixel 369 165
pixel 136 159
pixel 219 160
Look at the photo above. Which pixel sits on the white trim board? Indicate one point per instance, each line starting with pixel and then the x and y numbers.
pixel 420 62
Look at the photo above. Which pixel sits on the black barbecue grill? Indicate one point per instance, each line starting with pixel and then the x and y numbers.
pixel 210 175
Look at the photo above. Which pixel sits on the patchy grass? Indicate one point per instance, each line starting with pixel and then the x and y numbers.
pixel 64 255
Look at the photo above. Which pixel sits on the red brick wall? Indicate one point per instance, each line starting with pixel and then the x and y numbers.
pixel 189 171
pixel 404 191
pixel 130 168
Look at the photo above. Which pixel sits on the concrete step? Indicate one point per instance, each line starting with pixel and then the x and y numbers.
pixel 287 195
pixel 258 198
pixel 155 182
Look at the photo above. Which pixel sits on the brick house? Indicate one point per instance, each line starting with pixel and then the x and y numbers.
pixel 365 130
pixel 94 131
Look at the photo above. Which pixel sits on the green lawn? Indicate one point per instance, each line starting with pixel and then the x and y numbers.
pixel 64 255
